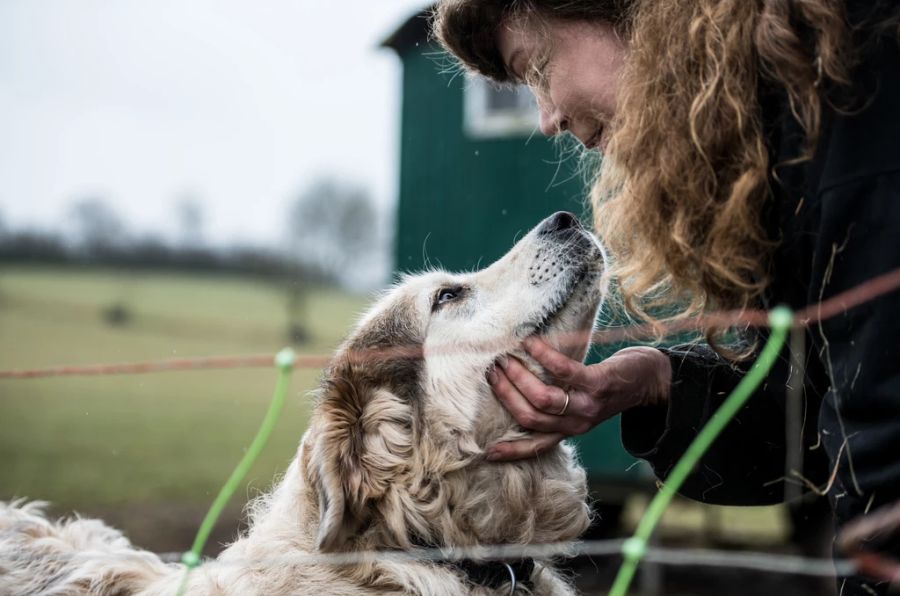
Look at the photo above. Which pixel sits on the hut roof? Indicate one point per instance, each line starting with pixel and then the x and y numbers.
pixel 413 31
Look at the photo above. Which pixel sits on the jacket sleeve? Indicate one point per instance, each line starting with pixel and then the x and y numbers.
pixel 746 464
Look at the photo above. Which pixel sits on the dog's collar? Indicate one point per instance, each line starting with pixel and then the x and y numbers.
pixel 491 574
pixel 494 574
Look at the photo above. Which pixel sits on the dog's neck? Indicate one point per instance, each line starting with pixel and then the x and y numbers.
pixel 471 502
pixel 541 500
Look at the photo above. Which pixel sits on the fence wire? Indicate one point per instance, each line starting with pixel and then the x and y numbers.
pixel 668 556
pixel 840 303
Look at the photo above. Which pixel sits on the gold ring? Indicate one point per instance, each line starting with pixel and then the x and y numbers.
pixel 565 405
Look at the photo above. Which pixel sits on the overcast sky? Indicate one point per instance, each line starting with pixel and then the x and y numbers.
pixel 235 103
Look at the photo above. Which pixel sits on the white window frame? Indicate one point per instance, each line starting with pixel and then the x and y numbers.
pixel 481 122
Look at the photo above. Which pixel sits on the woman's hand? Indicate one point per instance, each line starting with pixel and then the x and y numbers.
pixel 581 397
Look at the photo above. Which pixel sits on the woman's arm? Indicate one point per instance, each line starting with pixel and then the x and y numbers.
pixel 665 397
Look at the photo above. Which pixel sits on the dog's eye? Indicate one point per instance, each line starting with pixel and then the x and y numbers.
pixel 445 295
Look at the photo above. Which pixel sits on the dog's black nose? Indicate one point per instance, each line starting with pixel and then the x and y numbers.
pixel 559 222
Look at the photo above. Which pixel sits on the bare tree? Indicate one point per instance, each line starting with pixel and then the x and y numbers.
pixel 333 227
pixel 101 234
pixel 191 219
pixel 332 233
pixel 99 229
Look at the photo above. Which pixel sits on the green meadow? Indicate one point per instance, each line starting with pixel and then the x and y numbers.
pixel 98 442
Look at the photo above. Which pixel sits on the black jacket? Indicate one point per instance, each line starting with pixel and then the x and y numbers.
pixel 837 218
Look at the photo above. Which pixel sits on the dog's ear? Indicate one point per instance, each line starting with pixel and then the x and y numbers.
pixel 362 445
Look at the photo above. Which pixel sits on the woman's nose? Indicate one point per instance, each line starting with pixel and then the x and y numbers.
pixel 552 122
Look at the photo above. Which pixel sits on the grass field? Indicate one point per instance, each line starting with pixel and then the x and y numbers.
pixel 89 442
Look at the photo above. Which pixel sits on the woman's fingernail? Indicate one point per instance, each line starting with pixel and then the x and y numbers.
pixel 493 454
pixel 503 361
pixel 530 342
pixel 492 376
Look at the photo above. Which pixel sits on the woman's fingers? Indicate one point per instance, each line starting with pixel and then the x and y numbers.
pixel 560 366
pixel 519 406
pixel 524 448
pixel 546 398
pixel 517 387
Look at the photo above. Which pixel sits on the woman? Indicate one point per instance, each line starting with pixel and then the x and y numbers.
pixel 752 158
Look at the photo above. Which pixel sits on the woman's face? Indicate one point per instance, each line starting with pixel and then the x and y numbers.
pixel 579 80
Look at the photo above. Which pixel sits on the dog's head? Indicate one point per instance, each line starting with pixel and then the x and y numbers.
pixel 397 437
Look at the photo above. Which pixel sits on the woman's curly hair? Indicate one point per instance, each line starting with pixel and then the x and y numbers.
pixel 680 198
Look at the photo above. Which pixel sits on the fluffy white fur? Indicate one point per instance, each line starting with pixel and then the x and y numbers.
pixel 393 455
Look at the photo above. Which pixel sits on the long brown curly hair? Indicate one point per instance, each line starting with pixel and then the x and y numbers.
pixel 680 194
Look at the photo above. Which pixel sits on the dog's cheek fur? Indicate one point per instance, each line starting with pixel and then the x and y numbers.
pixel 363 447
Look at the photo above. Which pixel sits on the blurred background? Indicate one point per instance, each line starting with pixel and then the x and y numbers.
pixel 206 178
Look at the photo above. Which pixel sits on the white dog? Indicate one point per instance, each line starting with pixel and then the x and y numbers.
pixel 393 457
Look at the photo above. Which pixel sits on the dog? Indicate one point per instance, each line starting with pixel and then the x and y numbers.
pixel 393 458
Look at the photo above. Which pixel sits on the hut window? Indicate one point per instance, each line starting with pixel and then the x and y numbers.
pixel 492 111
